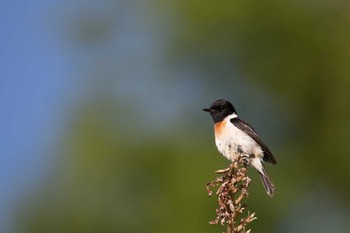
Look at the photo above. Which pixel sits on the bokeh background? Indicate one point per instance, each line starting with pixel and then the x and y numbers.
pixel 102 128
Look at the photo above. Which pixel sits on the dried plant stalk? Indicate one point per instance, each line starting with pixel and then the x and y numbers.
pixel 233 189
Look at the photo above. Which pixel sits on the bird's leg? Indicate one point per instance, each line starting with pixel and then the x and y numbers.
pixel 245 160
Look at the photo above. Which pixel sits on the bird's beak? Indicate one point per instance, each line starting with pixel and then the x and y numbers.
pixel 206 110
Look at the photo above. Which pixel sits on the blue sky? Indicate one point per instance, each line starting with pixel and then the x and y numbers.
pixel 33 93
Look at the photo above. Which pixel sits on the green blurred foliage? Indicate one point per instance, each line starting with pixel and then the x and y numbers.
pixel 107 184
pixel 109 180
pixel 295 49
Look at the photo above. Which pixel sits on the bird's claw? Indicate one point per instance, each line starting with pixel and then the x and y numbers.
pixel 245 161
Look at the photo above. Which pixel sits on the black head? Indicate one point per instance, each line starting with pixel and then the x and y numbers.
pixel 220 109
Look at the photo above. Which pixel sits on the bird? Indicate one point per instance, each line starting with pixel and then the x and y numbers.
pixel 236 139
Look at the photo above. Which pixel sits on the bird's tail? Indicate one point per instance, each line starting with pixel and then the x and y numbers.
pixel 269 187
pixel 258 164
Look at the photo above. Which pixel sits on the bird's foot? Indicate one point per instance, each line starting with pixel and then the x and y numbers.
pixel 245 161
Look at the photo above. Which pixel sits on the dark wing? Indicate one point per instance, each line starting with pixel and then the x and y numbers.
pixel 248 129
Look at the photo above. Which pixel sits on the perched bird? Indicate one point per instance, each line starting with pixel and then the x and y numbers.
pixel 236 139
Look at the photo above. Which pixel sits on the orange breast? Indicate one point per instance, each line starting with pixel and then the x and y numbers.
pixel 218 128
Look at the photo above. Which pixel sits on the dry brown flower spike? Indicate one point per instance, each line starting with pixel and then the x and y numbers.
pixel 233 189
